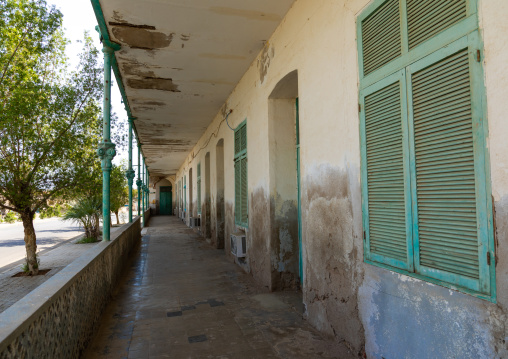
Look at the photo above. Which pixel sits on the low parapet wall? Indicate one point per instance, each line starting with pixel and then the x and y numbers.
pixel 147 216
pixel 58 318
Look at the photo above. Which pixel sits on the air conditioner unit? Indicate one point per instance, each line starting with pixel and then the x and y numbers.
pixel 194 222
pixel 238 245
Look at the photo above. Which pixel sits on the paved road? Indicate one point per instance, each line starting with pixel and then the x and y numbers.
pixel 49 232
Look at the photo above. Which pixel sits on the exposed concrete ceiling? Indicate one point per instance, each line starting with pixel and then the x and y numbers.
pixel 180 60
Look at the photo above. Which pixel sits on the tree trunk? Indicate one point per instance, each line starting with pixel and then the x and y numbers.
pixel 30 244
pixel 117 219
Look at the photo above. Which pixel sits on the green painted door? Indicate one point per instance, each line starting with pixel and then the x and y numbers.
pixel 166 201
pixel 300 260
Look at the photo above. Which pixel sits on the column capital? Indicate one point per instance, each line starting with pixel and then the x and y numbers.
pixel 106 153
pixel 139 183
pixel 130 174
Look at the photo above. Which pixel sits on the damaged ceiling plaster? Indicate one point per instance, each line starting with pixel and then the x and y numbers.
pixel 179 62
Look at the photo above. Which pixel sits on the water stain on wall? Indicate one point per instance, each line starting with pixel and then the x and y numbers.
pixel 259 227
pixel 332 253
pixel 284 244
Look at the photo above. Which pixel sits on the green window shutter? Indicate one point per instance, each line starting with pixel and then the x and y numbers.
pixel 238 142
pixel 385 187
pixel 428 18
pixel 238 191
pixel 243 138
pixel 450 224
pixel 244 192
pixel 381 36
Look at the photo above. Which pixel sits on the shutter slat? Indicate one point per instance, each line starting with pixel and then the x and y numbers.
pixel 427 18
pixel 244 191
pixel 381 37
pixel 444 163
pixel 385 177
pixel 238 191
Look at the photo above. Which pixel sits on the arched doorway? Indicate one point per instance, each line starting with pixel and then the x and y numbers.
pixel 220 209
pixel 285 212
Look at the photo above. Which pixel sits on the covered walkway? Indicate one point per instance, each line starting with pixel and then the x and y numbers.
pixel 181 298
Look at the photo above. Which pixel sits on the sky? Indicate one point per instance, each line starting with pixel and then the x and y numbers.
pixel 78 16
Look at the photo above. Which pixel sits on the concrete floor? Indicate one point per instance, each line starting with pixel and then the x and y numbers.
pixel 181 298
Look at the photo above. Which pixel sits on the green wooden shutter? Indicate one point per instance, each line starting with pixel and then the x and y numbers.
pixel 450 238
pixel 238 142
pixel 428 18
pixel 386 189
pixel 243 138
pixel 381 36
pixel 238 191
pixel 244 192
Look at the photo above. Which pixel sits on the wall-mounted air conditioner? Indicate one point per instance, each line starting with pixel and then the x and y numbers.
pixel 238 245
pixel 194 222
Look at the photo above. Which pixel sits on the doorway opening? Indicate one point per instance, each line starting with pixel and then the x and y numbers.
pixel 285 207
pixel 207 209
pixel 220 208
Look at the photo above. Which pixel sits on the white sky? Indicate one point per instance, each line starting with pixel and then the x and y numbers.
pixel 78 16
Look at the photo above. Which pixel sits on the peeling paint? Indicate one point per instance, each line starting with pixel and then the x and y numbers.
pixel 141 38
pixel 264 61
pixel 153 83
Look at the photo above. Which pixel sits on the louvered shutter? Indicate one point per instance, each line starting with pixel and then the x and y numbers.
pixel 381 36
pixel 428 18
pixel 449 235
pixel 244 192
pixel 243 138
pixel 238 142
pixel 386 189
pixel 238 191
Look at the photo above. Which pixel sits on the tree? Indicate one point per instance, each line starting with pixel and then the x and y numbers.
pixel 49 117
pixel 119 194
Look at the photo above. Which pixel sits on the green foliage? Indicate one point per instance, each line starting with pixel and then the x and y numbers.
pixel 47 141
pixel 87 240
pixel 87 212
pixel 52 211
pixel 119 192
pixel 10 217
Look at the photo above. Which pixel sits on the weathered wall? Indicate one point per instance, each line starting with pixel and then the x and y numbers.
pixel 58 318
pixel 386 314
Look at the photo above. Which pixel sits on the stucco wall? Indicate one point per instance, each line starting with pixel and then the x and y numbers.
pixel 388 314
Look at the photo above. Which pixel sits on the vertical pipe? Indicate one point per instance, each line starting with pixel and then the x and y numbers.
pixel 139 182
pixel 106 149
pixel 130 174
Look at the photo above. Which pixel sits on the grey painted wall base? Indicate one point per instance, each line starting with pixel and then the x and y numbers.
pixel 58 319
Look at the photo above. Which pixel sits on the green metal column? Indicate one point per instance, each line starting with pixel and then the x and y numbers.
pixel 130 174
pixel 106 149
pixel 139 183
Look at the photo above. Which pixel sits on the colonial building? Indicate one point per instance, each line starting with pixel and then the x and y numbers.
pixel 358 146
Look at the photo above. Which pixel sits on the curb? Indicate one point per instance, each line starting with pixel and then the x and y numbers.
pixel 10 266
